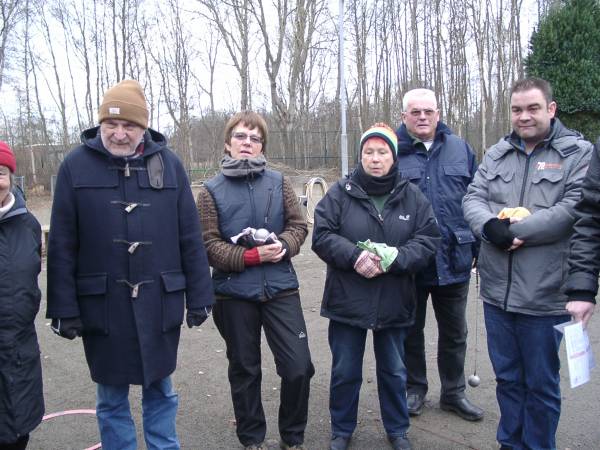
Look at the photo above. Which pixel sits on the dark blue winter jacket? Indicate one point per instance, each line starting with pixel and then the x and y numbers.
pixel 443 173
pixel 123 254
pixel 255 202
pixel 21 393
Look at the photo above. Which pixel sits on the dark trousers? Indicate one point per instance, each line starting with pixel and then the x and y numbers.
pixel 449 304
pixel 20 444
pixel 347 344
pixel 240 323
pixel 524 354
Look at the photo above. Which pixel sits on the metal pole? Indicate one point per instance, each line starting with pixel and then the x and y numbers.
pixel 344 136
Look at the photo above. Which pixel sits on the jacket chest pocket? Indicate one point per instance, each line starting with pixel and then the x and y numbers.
pixel 500 186
pixel 414 174
pixel 547 188
pixel 93 305
pixel 455 180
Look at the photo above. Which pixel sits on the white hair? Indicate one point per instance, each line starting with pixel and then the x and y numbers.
pixel 413 93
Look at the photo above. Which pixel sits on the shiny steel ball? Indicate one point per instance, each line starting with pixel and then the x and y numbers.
pixel 474 380
pixel 261 234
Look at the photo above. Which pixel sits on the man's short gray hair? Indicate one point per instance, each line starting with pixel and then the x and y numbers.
pixel 420 92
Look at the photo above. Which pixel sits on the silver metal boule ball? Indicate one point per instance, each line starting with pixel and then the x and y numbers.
pixel 261 234
pixel 474 380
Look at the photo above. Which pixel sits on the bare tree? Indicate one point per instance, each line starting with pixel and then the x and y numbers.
pixel 232 18
pixel 11 12
pixel 173 63
pixel 361 17
pixel 208 59
pixel 57 93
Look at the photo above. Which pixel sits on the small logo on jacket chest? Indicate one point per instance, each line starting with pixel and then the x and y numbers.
pixel 542 165
pixel 405 218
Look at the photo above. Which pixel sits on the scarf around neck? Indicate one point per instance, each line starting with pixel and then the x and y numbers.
pixel 376 185
pixel 238 168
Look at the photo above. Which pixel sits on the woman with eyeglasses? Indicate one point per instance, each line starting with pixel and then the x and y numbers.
pixel 21 394
pixel 252 227
pixel 374 230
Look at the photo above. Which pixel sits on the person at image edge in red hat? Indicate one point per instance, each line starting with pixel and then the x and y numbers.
pixel 21 406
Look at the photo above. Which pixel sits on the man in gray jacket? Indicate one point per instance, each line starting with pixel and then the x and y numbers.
pixel 522 262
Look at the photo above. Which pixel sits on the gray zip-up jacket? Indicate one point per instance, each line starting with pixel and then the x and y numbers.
pixel 547 182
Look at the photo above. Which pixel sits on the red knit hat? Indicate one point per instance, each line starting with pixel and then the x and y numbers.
pixel 7 157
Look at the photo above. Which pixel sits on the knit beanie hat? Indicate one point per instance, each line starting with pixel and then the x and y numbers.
pixel 7 157
pixel 125 101
pixel 382 131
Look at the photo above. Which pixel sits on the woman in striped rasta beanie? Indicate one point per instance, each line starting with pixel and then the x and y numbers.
pixel 374 230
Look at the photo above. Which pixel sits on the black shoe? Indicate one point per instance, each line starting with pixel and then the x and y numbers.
pixel 415 403
pixel 400 443
pixel 339 442
pixel 464 408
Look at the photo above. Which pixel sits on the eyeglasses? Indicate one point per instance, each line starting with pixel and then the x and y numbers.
pixel 243 136
pixel 418 112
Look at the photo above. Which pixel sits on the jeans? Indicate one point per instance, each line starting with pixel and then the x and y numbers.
pixel 449 304
pixel 240 322
pixel 159 408
pixel 524 354
pixel 347 344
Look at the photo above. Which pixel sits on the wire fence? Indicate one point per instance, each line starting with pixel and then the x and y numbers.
pixel 310 150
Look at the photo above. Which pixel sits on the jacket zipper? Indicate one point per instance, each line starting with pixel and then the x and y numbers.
pixel 268 211
pixel 253 207
pixel 380 217
pixel 511 254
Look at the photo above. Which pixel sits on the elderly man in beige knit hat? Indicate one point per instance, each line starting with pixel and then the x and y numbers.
pixel 125 260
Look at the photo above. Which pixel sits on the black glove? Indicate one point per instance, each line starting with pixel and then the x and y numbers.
pixel 196 318
pixel 247 241
pixel 68 328
pixel 496 231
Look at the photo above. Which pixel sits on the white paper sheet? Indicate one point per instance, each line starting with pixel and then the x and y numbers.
pixel 579 352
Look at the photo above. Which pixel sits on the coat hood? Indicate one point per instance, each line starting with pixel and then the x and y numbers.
pixel 153 141
pixel 19 206
pixel 406 141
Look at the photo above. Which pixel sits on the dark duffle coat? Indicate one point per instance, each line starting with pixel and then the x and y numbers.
pixel 123 255
pixel 21 393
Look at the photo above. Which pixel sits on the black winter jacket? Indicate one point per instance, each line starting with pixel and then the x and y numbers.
pixel 21 394
pixel 347 215
pixel 584 260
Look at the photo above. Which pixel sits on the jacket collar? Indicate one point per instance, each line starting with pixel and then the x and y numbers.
pixel 18 207
pixel 406 142
pixel 561 139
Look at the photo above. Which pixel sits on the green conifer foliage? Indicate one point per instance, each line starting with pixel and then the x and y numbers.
pixel 565 50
